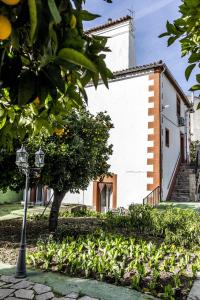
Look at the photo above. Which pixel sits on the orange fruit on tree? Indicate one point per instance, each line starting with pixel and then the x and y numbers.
pixel 59 131
pixel 5 28
pixel 73 22
pixel 10 2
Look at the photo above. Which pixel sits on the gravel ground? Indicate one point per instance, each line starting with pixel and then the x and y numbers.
pixel 10 231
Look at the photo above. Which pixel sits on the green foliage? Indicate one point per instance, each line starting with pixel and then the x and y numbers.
pixel 121 260
pixel 80 213
pixel 47 58
pixel 186 29
pixel 74 155
pixel 193 150
pixel 173 225
pixel 10 197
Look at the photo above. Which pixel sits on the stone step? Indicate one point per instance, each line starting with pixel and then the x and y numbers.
pixel 178 198
pixel 180 191
pixel 181 195
pixel 183 185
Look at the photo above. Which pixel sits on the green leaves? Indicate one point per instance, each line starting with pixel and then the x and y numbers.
pixel 54 11
pixel 48 58
pixel 186 29
pixel 194 57
pixel 118 258
pixel 3 122
pixel 195 87
pixel 53 73
pixel 33 18
pixel 77 58
pixel 171 40
pixel 27 87
pixel 188 70
pixel 87 16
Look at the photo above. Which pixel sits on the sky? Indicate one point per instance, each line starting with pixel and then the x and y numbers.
pixel 150 20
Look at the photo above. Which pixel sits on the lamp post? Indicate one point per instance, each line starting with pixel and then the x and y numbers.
pixel 22 163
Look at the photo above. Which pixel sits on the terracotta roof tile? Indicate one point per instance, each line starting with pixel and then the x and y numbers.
pixel 155 65
pixel 162 66
pixel 108 24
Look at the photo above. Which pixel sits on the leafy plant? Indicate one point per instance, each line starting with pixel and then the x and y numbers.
pixel 120 260
pixel 46 60
pixel 74 155
pixel 186 29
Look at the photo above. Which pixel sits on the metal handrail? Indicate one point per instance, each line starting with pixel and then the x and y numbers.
pixel 197 173
pixel 153 198
pixel 197 162
pixel 174 171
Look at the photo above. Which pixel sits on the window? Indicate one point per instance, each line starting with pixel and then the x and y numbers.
pixel 166 137
pixel 178 107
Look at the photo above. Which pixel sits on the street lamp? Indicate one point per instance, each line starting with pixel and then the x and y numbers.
pixel 22 163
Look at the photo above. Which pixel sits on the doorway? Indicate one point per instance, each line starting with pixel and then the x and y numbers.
pixel 106 191
pixel 182 147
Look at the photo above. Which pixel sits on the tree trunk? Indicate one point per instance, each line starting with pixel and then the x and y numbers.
pixel 53 218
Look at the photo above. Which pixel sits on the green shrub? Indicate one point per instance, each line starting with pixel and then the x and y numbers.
pixel 141 217
pixel 10 197
pixel 193 146
pixel 173 225
pixel 79 213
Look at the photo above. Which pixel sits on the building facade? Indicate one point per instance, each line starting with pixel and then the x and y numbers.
pixel 151 117
pixel 195 120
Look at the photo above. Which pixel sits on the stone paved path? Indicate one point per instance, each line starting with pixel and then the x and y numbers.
pixel 195 290
pixel 21 289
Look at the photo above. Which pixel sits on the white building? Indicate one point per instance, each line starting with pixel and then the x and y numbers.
pixel 195 120
pixel 150 113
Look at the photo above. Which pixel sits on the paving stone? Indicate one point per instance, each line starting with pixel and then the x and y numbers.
pixel 62 298
pixel 24 294
pixel 72 295
pixel 2 283
pixel 45 296
pixel 87 298
pixel 195 290
pixel 5 293
pixel 9 285
pixel 24 284
pixel 14 298
pixel 41 288
pixel 10 279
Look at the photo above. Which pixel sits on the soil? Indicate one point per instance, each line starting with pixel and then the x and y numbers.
pixel 10 232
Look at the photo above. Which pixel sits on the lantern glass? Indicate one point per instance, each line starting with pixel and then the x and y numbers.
pixel 22 157
pixel 39 159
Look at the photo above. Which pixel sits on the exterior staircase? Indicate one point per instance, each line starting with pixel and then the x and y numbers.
pixel 184 188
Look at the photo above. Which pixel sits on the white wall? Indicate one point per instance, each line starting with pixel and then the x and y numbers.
pixel 126 102
pixel 195 121
pixel 121 43
pixel 169 120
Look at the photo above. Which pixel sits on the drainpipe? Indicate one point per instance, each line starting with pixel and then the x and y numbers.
pixel 188 110
pixel 186 135
pixel 161 147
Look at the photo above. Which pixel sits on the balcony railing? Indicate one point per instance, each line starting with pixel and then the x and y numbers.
pixel 153 199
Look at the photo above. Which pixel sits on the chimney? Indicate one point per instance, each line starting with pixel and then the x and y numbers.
pixel 121 41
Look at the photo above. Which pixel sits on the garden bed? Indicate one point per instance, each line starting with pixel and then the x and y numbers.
pixel 163 270
pixel 153 251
